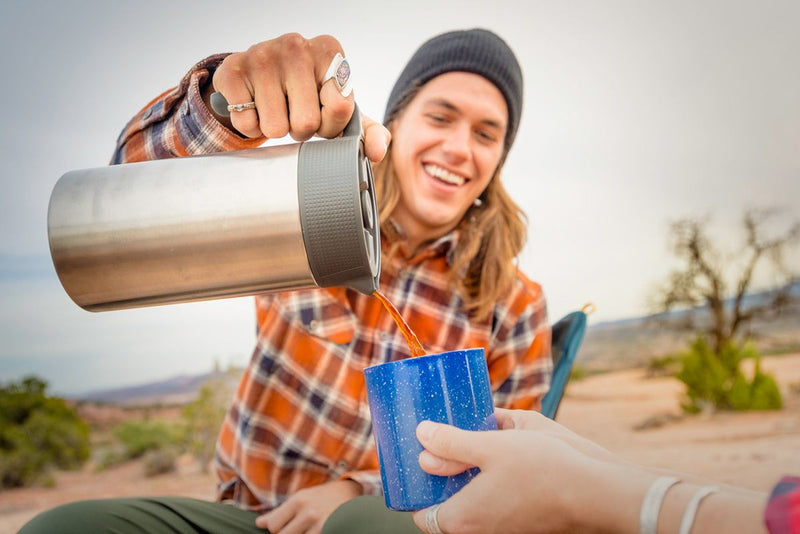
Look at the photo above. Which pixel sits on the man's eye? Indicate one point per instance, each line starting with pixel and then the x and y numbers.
pixel 487 136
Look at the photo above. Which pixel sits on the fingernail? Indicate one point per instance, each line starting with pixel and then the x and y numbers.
pixel 430 462
pixel 425 430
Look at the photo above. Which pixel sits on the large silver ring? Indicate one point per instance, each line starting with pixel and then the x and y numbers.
pixel 432 520
pixel 339 71
pixel 242 107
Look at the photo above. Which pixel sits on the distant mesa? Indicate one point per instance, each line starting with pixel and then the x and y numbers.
pixel 177 390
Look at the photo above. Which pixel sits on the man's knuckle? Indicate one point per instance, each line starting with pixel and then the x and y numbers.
pixel 232 61
pixel 246 125
pixel 230 67
pixel 340 111
pixel 261 55
pixel 305 125
pixel 295 45
pixel 327 44
pixel 274 132
pixel 293 39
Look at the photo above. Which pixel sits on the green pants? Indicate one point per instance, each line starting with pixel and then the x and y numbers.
pixel 178 515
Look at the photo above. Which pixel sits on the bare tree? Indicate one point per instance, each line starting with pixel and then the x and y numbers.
pixel 703 281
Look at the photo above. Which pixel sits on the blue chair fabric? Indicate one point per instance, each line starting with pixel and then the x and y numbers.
pixel 567 337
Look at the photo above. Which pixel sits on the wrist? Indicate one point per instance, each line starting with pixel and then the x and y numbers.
pixel 611 499
pixel 369 481
pixel 727 511
pixel 353 486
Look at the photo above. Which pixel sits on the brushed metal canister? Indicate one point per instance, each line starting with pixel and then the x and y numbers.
pixel 221 225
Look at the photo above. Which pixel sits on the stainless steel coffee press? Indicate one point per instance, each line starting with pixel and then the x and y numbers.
pixel 222 225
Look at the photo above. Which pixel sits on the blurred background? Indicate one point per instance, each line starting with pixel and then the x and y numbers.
pixel 636 114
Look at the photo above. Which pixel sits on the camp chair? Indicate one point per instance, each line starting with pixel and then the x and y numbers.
pixel 567 336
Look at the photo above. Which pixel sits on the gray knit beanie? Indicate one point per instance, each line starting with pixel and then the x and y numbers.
pixel 478 51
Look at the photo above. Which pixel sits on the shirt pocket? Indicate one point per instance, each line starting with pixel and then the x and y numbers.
pixel 320 314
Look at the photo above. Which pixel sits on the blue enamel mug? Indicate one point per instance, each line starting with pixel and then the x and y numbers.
pixel 449 387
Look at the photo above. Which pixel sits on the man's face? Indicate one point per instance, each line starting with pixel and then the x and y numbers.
pixel 446 146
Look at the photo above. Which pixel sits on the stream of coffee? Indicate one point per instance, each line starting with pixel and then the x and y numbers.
pixel 411 338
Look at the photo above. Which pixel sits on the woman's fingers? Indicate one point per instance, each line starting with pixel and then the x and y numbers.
pixel 435 465
pixel 451 443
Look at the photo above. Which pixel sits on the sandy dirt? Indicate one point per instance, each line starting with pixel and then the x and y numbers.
pixel 747 449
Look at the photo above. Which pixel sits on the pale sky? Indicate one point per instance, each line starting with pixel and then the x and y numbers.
pixel 636 113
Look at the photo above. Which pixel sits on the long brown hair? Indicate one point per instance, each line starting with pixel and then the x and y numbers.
pixel 491 235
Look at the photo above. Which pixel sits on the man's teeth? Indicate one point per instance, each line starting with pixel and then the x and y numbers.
pixel 444 175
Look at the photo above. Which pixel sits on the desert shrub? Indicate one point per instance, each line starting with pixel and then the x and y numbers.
pixel 663 366
pixel 716 381
pixel 578 372
pixel 139 437
pixel 764 393
pixel 37 433
pixel 202 418
pixel 110 457
pixel 160 461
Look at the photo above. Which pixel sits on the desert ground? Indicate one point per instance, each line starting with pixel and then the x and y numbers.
pixel 637 417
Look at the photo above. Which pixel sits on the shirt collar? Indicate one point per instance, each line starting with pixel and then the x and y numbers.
pixel 445 245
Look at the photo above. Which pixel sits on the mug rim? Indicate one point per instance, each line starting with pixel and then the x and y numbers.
pixel 411 359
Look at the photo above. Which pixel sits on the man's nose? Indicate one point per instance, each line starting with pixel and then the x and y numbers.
pixel 457 144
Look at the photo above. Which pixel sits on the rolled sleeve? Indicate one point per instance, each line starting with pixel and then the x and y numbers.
pixel 369 480
pixel 178 123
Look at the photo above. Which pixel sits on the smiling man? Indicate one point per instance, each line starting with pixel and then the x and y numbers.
pixel 296 448
pixel 447 146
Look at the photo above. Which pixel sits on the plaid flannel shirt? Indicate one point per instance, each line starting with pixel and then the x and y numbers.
pixel 300 415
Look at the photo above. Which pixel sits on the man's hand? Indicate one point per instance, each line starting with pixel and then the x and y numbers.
pixel 284 77
pixel 308 509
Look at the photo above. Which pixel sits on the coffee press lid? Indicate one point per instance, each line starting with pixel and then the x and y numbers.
pixel 338 212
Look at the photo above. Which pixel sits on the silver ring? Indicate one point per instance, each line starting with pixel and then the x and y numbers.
pixel 432 520
pixel 339 71
pixel 242 107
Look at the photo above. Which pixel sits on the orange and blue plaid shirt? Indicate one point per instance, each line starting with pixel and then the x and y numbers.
pixel 300 415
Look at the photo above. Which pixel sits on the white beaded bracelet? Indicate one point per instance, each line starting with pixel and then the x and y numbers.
pixel 648 517
pixel 691 509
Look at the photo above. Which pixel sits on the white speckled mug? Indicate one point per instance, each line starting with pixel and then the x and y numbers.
pixel 450 387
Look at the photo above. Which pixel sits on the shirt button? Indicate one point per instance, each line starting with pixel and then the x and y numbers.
pixel 313 325
pixel 147 112
pixel 385 336
pixel 341 464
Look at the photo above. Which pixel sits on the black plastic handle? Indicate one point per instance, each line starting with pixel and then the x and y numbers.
pixel 219 105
